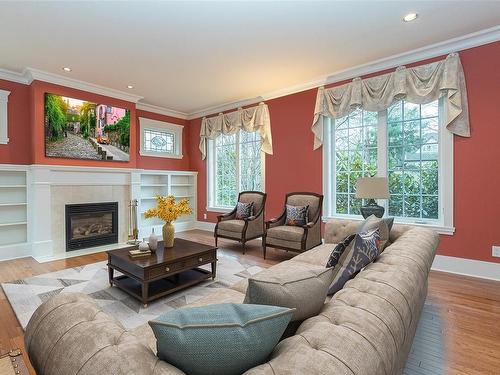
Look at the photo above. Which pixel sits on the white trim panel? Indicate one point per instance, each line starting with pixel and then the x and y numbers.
pixel 4 110
pixel 161 110
pixel 161 126
pixel 467 267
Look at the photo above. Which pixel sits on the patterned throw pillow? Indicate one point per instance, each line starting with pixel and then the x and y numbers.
pixel 220 339
pixel 384 226
pixel 361 251
pixel 244 210
pixel 339 250
pixel 296 215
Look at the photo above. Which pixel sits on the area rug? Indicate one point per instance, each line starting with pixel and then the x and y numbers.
pixel 27 294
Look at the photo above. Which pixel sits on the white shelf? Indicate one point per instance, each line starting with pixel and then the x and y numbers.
pixel 13 207
pixel 13 224
pixel 174 185
pixel 154 185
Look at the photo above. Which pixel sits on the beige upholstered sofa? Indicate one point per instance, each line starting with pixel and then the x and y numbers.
pixel 366 328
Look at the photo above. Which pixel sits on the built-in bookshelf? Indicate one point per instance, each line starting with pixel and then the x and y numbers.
pixel 13 207
pixel 153 183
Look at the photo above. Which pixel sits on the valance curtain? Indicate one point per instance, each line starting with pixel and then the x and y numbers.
pixel 418 85
pixel 253 119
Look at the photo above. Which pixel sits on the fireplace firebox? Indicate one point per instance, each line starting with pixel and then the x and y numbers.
pixel 91 224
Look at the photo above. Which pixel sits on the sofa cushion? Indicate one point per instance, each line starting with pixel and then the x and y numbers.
pixel 361 251
pixel 219 339
pixel 305 291
pixel 296 215
pixel 231 225
pixel 286 232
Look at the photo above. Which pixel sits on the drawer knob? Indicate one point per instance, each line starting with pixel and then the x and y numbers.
pixel 167 269
pixel 200 259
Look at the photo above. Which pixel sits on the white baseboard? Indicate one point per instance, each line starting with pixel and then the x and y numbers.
pixel 205 225
pixel 467 267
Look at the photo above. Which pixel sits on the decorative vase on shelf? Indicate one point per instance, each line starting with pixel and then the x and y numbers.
pixel 143 246
pixel 168 235
pixel 153 241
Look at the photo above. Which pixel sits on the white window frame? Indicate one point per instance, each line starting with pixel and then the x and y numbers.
pixel 444 225
pixel 155 125
pixel 211 207
pixel 4 129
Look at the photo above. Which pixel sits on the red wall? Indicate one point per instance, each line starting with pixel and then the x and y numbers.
pixel 477 161
pixel 18 150
pixel 147 162
pixel 295 166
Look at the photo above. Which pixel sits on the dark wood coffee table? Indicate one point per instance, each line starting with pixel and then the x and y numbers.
pixel 164 272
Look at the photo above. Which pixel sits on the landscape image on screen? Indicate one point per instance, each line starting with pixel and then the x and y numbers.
pixel 78 129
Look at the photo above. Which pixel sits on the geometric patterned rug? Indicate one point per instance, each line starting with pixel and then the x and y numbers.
pixel 92 279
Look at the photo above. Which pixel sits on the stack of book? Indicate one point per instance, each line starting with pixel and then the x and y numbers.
pixel 139 253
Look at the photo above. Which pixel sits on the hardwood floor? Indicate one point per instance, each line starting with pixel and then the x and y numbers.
pixel 458 333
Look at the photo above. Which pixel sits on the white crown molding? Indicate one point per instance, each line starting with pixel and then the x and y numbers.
pixel 35 74
pixel 12 76
pixel 161 110
pixel 437 49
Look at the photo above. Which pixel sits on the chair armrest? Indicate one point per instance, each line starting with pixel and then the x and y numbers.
pixel 250 218
pixel 228 216
pixel 308 225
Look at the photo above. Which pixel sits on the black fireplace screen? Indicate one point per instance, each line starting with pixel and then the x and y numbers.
pixel 91 224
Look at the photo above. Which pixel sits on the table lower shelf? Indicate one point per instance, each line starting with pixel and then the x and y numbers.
pixel 162 287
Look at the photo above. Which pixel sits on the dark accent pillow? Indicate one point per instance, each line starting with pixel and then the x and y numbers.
pixel 339 250
pixel 244 210
pixel 361 251
pixel 296 215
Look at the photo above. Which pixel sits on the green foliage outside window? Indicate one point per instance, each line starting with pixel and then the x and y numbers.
pixel 412 159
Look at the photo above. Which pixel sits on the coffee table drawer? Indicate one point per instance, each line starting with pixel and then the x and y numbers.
pixel 200 259
pixel 164 270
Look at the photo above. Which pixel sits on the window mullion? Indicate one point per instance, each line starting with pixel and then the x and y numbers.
pixel 382 151
pixel 238 162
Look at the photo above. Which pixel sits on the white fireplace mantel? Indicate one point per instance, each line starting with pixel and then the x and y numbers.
pixel 49 188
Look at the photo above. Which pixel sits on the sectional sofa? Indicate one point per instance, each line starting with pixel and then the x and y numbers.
pixel 367 328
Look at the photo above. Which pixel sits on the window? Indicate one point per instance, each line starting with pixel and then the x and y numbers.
pixel 160 139
pixel 404 143
pixel 235 163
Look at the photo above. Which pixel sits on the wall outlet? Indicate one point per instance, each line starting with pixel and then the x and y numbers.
pixel 205 218
pixel 495 251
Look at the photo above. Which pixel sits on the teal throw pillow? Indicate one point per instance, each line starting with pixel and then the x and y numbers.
pixel 219 339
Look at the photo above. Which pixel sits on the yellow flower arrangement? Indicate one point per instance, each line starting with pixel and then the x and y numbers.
pixel 168 210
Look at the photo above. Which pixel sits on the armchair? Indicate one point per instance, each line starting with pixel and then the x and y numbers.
pixel 295 238
pixel 243 230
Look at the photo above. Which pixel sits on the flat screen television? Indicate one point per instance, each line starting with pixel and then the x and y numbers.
pixel 78 129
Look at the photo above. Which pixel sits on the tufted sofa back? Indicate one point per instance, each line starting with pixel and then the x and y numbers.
pixel 338 229
pixel 70 334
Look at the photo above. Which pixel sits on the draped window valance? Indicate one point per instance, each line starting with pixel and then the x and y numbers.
pixel 253 119
pixel 418 85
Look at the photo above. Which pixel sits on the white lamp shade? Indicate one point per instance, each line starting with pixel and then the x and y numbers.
pixel 372 188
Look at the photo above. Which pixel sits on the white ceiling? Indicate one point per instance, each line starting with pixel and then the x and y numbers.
pixel 189 56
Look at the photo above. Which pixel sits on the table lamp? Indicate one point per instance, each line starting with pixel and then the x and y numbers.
pixel 372 188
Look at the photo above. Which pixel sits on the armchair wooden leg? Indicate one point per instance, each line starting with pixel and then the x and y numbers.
pixel 264 248
pixel 215 241
pixel 243 245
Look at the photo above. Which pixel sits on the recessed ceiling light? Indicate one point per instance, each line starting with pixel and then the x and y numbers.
pixel 67 69
pixel 130 87
pixel 410 17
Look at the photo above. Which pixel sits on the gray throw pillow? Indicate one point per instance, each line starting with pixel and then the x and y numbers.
pixel 361 251
pixel 305 291
pixel 296 215
pixel 384 226
pixel 243 210
pixel 220 339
